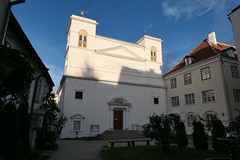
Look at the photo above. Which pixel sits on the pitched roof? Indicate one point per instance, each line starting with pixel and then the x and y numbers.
pixel 205 50
pixel 13 23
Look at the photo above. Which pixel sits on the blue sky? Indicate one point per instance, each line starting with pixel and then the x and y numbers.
pixel 181 24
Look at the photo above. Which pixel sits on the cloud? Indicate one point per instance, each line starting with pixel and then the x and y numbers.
pixel 188 9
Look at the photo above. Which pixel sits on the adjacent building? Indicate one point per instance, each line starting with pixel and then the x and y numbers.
pixel 42 83
pixel 5 10
pixel 205 83
pixel 109 84
pixel 234 18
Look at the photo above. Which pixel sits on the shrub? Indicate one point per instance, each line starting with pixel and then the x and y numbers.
pixel 9 140
pixel 159 128
pixel 24 124
pixel 181 135
pixel 199 136
pixel 218 131
pixel 234 126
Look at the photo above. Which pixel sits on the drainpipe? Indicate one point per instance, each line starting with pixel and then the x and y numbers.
pixel 229 113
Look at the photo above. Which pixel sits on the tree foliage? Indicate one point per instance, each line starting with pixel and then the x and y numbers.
pixel 235 125
pixel 200 139
pixel 50 126
pixel 159 128
pixel 14 135
pixel 16 75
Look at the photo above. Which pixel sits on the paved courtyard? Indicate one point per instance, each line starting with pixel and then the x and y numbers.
pixel 87 150
pixel 78 150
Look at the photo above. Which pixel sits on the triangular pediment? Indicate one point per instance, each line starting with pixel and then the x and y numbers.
pixel 77 116
pixel 120 52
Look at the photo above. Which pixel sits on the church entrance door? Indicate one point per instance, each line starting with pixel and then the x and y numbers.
pixel 118 119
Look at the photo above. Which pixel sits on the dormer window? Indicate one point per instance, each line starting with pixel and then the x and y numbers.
pixel 229 52
pixel 153 54
pixel 188 60
pixel 82 38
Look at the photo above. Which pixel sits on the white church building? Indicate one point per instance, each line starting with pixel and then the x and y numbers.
pixel 109 84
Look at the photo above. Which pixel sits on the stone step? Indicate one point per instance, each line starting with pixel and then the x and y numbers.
pixel 120 134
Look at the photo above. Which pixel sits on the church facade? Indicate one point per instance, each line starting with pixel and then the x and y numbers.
pixel 109 84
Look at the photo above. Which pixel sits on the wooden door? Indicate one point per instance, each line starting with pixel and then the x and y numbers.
pixel 118 119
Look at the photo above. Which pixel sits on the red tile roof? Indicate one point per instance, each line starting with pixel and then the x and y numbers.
pixel 204 50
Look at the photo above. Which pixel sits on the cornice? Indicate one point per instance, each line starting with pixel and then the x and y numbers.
pixel 121 82
pixel 111 52
pixel 149 37
pixel 199 65
pixel 192 67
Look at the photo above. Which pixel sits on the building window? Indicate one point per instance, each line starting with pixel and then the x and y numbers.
pixel 76 125
pixel 190 119
pixel 229 52
pixel 175 101
pixel 156 100
pixel 208 96
pixel 153 54
pixel 189 99
pixel 187 79
pixel 234 71
pixel 78 95
pixel 83 38
pixel 205 73
pixel 173 83
pixel 188 60
pixel 236 95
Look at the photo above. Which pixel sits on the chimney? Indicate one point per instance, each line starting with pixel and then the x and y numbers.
pixel 212 37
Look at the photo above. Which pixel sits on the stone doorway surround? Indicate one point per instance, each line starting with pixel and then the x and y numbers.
pixel 120 104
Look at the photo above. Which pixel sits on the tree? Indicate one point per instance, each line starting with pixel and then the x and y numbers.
pixel 181 135
pixel 234 126
pixel 199 136
pixel 50 126
pixel 9 146
pixel 159 128
pixel 24 125
pixel 16 75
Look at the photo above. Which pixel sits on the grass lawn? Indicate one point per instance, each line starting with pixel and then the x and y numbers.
pixel 155 153
pixel 37 155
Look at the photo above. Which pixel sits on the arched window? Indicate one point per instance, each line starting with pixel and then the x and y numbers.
pixel 83 38
pixel 153 53
pixel 208 116
pixel 190 119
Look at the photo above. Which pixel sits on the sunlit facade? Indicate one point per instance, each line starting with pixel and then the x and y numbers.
pixel 109 84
